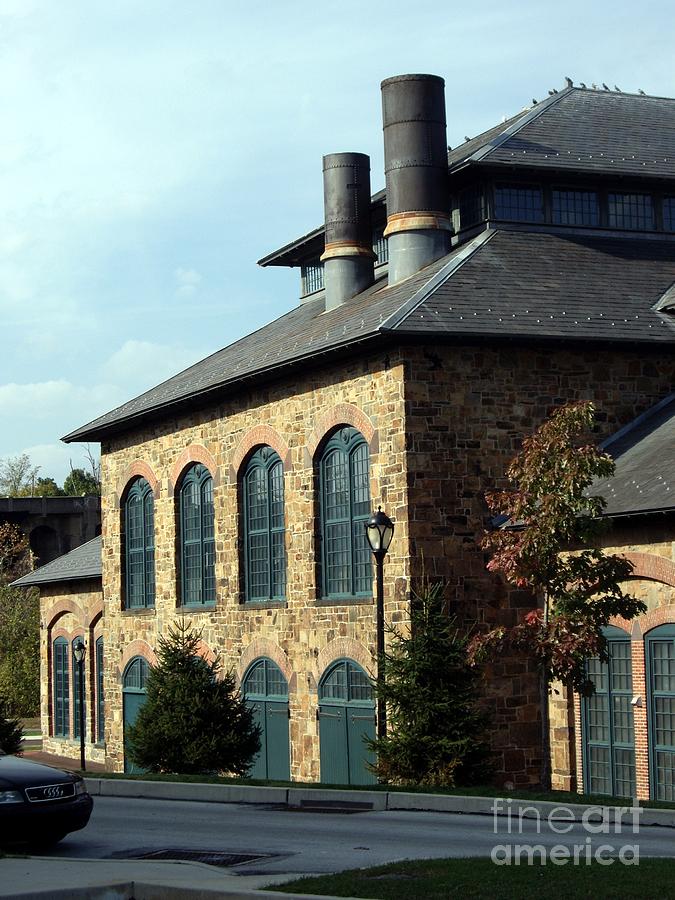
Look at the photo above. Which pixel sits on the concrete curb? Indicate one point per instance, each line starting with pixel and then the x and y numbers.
pixel 378 800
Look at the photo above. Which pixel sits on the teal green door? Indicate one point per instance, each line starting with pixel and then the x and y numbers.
pixel 266 692
pixel 133 698
pixel 346 720
pixel 660 647
pixel 609 742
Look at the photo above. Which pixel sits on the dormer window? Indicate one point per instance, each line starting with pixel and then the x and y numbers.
pixel 519 203
pixel 380 247
pixel 312 277
pixel 631 211
pixel 575 207
pixel 669 213
pixel 471 206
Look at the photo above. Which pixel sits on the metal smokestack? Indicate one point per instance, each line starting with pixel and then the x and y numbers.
pixel 348 257
pixel 416 169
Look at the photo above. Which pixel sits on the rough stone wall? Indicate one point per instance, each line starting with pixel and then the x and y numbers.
pixel 467 411
pixel 303 634
pixel 650 546
pixel 70 610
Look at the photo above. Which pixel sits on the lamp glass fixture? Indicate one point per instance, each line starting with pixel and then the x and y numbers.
pixel 79 651
pixel 379 531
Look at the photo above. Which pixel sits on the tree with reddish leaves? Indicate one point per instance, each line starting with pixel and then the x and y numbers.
pixel 551 518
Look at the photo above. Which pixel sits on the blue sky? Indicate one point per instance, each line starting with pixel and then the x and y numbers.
pixel 152 152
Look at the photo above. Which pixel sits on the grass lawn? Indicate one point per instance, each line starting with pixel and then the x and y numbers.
pixel 466 879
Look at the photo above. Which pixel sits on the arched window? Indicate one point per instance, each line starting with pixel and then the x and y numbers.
pixel 263 496
pixel 61 688
pixel 134 681
pixel 79 698
pixel 100 696
pixel 198 579
pixel 344 473
pixel 139 546
pixel 346 723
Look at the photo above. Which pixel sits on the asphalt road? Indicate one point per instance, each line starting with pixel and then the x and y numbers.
pixel 320 842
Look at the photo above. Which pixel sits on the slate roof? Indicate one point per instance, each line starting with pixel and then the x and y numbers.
pixel 586 131
pixel 81 563
pixel 644 453
pixel 506 283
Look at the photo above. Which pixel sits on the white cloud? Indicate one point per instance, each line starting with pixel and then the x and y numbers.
pixel 142 364
pixel 188 281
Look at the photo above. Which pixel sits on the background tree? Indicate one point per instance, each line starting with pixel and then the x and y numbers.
pixel 17 476
pixel 192 721
pixel 11 732
pixel 553 518
pixel 19 627
pixel 80 483
pixel 47 487
pixel 436 731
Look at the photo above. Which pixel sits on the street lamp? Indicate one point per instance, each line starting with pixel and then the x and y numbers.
pixel 380 531
pixel 79 651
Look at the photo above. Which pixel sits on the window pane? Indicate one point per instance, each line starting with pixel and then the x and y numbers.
pixel 669 213
pixel 312 277
pixel 635 211
pixel 524 204
pixel 334 685
pixel 100 704
pixel 471 206
pixel 575 207
pixel 380 247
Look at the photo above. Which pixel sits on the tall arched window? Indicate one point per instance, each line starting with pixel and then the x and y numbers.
pixel 198 580
pixel 61 688
pixel 344 473
pixel 100 696
pixel 263 496
pixel 139 545
pixel 79 698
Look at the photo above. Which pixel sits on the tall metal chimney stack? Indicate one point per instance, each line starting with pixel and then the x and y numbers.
pixel 349 261
pixel 416 169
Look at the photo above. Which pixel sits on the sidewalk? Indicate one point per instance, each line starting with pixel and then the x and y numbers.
pixel 60 762
pixel 42 878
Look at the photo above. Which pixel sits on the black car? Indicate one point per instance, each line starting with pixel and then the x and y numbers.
pixel 38 804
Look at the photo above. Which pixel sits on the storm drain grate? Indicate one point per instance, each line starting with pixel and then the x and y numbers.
pixel 222 858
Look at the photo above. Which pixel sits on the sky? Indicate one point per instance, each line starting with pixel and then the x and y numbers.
pixel 151 153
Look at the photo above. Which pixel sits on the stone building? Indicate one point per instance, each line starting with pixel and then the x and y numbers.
pixel 440 321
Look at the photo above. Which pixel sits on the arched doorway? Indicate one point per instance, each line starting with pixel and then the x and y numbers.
pixel 133 697
pixel 660 658
pixel 266 692
pixel 346 719
pixel 609 740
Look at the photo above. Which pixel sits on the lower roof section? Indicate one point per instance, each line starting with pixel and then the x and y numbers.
pixel 83 562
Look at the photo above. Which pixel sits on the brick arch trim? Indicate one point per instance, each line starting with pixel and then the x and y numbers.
pixel 342 414
pixel 137 648
pixel 649 565
pixel 260 435
pixel 195 453
pixel 264 647
pixel 137 469
pixel 205 651
pixel 623 624
pixel 343 648
pixel 62 608
pixel 94 614
pixel 663 615
pixel 64 633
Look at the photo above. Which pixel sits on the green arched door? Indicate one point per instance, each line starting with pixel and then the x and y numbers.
pixel 133 698
pixel 609 741
pixel 660 653
pixel 346 720
pixel 266 692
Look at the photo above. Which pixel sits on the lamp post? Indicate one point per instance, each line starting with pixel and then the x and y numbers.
pixel 79 651
pixel 379 531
